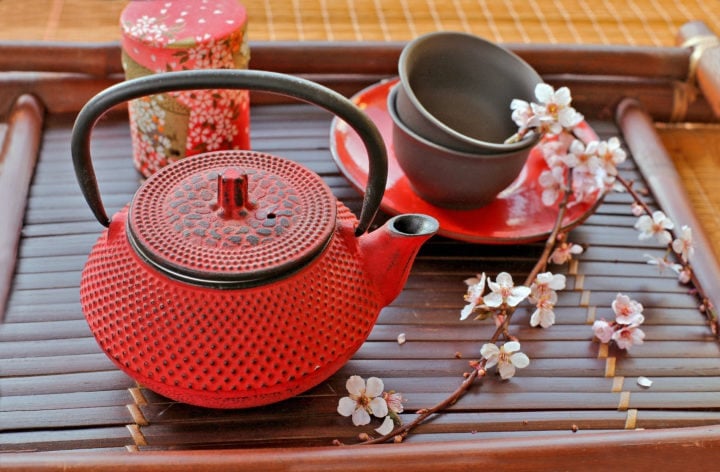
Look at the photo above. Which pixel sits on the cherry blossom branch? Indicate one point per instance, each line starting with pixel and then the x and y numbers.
pixel 578 168
pixel 629 186
pixel 478 370
pixel 706 307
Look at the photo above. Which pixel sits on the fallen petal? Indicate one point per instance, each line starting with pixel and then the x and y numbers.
pixel 387 426
pixel 401 338
pixel 644 382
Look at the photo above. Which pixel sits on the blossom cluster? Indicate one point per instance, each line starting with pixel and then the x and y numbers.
pixel 504 295
pixel 369 398
pixel 625 329
pixel 584 168
pixel 581 169
pixel 658 226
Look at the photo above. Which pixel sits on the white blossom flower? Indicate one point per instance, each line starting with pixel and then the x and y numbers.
pixel 363 400
pixel 474 295
pixel 583 157
pixel 544 315
pixel 610 155
pixel 553 110
pixel 586 185
pixel 554 151
pixel 603 331
pixel 569 118
pixel 657 226
pixel 564 252
pixel 386 427
pixel 546 283
pixel 625 331
pixel 683 245
pixel 394 401
pixel 522 114
pixel 627 311
pixel 684 275
pixel 507 358
pixel 552 182
pixel 636 209
pixel 543 294
pixel 504 291
pixel 628 336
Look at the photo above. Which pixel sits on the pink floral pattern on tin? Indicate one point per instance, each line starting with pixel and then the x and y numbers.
pixel 163 36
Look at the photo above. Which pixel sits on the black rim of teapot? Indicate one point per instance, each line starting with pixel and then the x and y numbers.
pixel 282 84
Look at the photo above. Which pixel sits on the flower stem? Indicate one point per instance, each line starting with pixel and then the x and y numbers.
pixel 423 414
pixel 551 240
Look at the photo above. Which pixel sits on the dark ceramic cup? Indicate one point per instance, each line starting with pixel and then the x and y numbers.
pixel 449 178
pixel 456 91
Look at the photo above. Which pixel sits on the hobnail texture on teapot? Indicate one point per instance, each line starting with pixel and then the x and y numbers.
pixel 234 278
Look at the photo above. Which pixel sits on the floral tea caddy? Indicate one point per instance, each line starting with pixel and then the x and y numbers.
pixel 162 36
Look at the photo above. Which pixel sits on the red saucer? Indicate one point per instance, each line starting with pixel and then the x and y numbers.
pixel 517 215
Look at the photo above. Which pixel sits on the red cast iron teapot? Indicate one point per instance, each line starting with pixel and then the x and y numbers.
pixel 234 278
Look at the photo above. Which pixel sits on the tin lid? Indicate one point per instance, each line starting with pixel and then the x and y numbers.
pixel 231 218
pixel 183 34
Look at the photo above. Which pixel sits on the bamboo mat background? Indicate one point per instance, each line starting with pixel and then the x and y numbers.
pixel 631 22
pixel 695 149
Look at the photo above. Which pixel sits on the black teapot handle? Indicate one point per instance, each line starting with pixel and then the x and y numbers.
pixel 282 84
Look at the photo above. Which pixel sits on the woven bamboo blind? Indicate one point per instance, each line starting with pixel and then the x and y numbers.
pixel 631 22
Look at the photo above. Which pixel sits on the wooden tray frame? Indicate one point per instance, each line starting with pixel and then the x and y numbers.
pixel 654 80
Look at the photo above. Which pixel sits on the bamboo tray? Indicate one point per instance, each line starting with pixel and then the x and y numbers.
pixel 64 405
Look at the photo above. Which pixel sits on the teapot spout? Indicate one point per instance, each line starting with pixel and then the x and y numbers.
pixel 390 250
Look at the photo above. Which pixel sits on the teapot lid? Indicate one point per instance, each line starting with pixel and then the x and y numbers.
pixel 231 218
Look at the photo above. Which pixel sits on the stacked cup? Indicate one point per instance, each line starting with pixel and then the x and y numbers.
pixel 451 117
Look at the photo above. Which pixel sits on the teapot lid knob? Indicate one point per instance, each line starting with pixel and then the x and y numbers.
pixel 233 198
pixel 231 218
